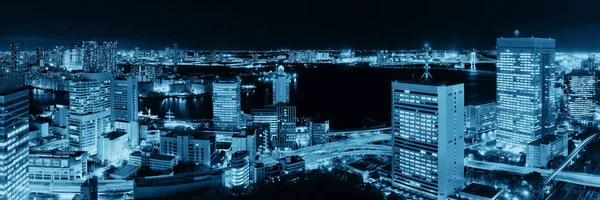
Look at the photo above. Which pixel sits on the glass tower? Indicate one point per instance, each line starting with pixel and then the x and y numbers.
pixel 428 138
pixel 525 90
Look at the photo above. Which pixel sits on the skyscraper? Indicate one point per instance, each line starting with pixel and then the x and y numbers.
pixel 14 138
pixel 125 107
pixel 580 92
pixel 428 143
pixel 286 117
pixel 14 57
pixel 281 87
pixel 525 90
pixel 89 112
pixel 226 100
pixel 267 115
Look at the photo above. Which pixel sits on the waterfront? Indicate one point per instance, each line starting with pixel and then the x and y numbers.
pixel 347 96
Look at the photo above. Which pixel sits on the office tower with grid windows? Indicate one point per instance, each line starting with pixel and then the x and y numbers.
pixel 580 92
pixel 89 111
pixel 281 87
pixel 428 137
pixel 14 137
pixel 226 100
pixel 525 90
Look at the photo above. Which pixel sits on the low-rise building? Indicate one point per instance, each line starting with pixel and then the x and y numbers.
pixel 147 159
pixel 542 150
pixel 190 146
pixel 113 146
pixel 292 165
pixel 57 165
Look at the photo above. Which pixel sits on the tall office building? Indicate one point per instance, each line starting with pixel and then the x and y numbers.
pixel 73 58
pixel 580 96
pixel 281 87
pixel 480 118
pixel 14 138
pixel 525 90
pixel 89 112
pixel 286 117
pixel 14 57
pixel 227 107
pixel 428 144
pixel 125 107
pixel 267 115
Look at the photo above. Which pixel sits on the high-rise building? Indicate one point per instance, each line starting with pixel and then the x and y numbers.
pixel 267 115
pixel 428 143
pixel 14 57
pixel 525 90
pixel 580 93
pixel 73 58
pixel 226 100
pixel 281 87
pixel 320 131
pixel 286 117
pixel 480 118
pixel 240 169
pixel 100 56
pixel 14 138
pixel 89 111
pixel 125 107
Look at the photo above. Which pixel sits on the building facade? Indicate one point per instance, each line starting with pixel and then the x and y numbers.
pixel 580 94
pixel 57 165
pixel 240 169
pixel 286 118
pixel 14 140
pixel 113 146
pixel 281 87
pixel 525 90
pixel 542 150
pixel 267 115
pixel 227 108
pixel 428 142
pixel 190 147
pixel 480 118
pixel 89 111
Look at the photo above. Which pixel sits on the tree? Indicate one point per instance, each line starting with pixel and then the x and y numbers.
pixel 534 179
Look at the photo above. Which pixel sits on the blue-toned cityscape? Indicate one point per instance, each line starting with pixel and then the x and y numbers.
pixel 381 101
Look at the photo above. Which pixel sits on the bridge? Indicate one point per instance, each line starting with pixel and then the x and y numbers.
pixel 567 161
pixel 569 177
pixel 105 187
pixel 357 142
pixel 354 131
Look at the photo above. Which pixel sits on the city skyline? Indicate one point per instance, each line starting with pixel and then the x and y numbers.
pixel 440 100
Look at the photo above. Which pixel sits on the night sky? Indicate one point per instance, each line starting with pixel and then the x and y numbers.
pixel 300 24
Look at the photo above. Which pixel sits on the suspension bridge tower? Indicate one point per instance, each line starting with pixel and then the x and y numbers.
pixel 473 60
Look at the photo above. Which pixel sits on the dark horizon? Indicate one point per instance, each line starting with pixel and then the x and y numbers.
pixel 265 25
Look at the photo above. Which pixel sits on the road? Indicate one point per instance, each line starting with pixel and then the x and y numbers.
pixel 74 186
pixel 569 177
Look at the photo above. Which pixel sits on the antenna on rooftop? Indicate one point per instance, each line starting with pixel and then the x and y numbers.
pixel 426 75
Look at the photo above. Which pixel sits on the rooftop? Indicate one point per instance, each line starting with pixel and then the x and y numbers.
pixel 481 190
pixel 125 171
pixel 199 135
pixel 367 164
pixel 155 156
pixel 115 134
pixel 547 139
pixel 428 83
pixel 177 179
